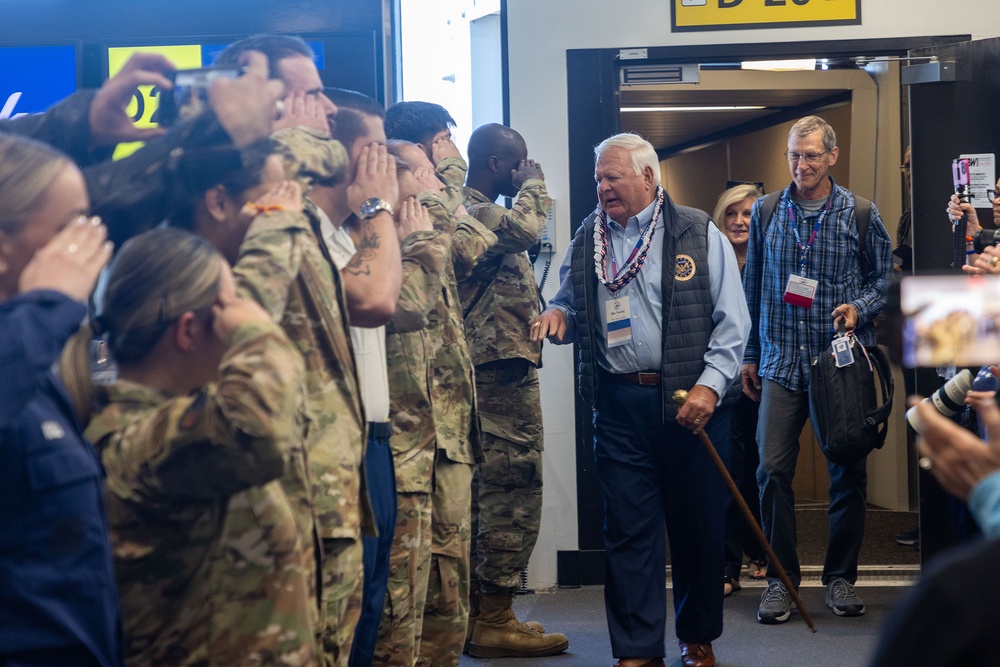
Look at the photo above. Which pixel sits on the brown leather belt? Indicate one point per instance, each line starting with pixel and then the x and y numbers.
pixel 647 379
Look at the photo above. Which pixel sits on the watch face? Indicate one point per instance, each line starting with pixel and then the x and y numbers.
pixel 368 206
pixel 371 207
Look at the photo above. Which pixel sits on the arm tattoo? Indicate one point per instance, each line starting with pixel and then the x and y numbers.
pixel 367 246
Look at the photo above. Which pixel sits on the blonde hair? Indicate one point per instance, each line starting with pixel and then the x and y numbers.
pixel 641 151
pixel 27 171
pixel 157 277
pixel 733 195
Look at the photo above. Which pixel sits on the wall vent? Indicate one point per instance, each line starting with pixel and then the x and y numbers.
pixel 656 75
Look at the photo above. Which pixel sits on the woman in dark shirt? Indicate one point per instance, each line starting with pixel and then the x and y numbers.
pixel 732 215
pixel 58 604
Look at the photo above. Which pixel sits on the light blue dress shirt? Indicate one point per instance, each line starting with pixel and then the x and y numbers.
pixel 644 352
pixel 984 502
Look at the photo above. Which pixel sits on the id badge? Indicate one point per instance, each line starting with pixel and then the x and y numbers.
pixel 619 318
pixel 800 291
pixel 842 354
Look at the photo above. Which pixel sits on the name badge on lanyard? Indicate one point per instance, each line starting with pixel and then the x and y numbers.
pixel 619 321
pixel 800 291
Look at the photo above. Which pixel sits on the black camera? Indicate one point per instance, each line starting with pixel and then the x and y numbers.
pixel 189 96
pixel 985 238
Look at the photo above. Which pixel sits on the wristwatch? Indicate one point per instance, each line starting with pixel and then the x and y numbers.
pixel 371 207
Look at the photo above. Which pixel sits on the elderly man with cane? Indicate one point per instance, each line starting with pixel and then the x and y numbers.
pixel 651 292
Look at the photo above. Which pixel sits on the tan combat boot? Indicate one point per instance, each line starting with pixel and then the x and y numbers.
pixel 498 633
pixel 474 603
pixel 473 614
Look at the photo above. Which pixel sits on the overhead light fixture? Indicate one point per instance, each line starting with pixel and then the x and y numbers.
pixel 692 108
pixel 805 64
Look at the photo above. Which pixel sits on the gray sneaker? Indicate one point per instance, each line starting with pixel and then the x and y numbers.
pixel 775 604
pixel 842 599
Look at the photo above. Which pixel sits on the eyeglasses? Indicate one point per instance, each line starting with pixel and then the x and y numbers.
pixel 810 158
pixel 992 194
pixel 904 168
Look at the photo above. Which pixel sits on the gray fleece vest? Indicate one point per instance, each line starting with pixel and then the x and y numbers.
pixel 687 304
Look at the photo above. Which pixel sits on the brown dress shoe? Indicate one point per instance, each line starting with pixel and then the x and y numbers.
pixel 697 655
pixel 652 662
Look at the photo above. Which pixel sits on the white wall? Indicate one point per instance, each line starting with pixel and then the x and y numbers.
pixel 539 33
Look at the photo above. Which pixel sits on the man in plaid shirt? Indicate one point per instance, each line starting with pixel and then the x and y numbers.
pixel 805 270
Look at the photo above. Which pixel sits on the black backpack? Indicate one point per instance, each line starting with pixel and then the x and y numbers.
pixel 846 414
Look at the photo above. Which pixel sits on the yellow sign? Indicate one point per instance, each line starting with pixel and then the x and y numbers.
pixel 144 105
pixel 744 14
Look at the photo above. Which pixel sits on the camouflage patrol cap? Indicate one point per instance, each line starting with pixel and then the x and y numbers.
pixel 310 157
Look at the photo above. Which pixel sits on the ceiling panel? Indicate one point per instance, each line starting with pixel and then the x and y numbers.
pixel 667 130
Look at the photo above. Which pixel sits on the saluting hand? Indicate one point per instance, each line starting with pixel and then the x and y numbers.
pixel 526 170
pixel 71 261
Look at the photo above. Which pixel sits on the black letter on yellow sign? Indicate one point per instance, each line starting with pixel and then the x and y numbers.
pixel 774 3
pixel 724 4
pixel 801 2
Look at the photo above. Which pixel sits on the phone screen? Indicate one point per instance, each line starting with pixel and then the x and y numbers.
pixel 950 320
pixel 189 97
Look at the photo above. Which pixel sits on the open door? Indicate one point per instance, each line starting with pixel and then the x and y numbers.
pixel 947 119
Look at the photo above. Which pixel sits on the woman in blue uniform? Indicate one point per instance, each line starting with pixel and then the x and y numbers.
pixel 58 604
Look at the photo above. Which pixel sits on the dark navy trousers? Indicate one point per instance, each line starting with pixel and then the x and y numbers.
pixel 381 478
pixel 744 460
pixel 655 476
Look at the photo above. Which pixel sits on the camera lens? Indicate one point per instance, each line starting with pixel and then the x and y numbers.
pixel 948 400
pixel 985 238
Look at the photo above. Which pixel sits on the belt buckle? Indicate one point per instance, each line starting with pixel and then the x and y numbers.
pixel 648 378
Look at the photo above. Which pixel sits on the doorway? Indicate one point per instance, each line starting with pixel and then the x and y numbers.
pixel 723 146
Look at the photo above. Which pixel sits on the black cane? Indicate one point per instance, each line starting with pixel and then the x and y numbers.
pixel 680 396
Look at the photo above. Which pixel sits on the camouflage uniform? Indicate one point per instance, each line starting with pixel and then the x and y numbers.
pixel 500 299
pixel 211 566
pixel 434 445
pixel 284 267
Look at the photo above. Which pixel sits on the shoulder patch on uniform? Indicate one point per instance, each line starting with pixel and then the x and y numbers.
pixel 685 268
pixel 52 430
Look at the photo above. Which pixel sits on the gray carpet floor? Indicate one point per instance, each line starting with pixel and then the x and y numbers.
pixel 838 642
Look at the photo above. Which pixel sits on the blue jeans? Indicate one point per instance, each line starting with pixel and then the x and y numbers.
pixel 381 478
pixel 783 413
pixel 657 476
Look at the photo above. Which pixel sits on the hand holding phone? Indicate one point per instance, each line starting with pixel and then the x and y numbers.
pixel 108 120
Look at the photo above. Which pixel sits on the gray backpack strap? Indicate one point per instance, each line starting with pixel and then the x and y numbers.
pixel 862 216
pixel 767 210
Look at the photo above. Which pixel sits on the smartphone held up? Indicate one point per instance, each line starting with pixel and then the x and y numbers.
pixel 950 320
pixel 189 96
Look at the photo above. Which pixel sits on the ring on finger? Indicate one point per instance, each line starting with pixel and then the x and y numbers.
pixel 994 260
pixel 925 463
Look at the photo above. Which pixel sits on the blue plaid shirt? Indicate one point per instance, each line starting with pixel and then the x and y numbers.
pixel 784 339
